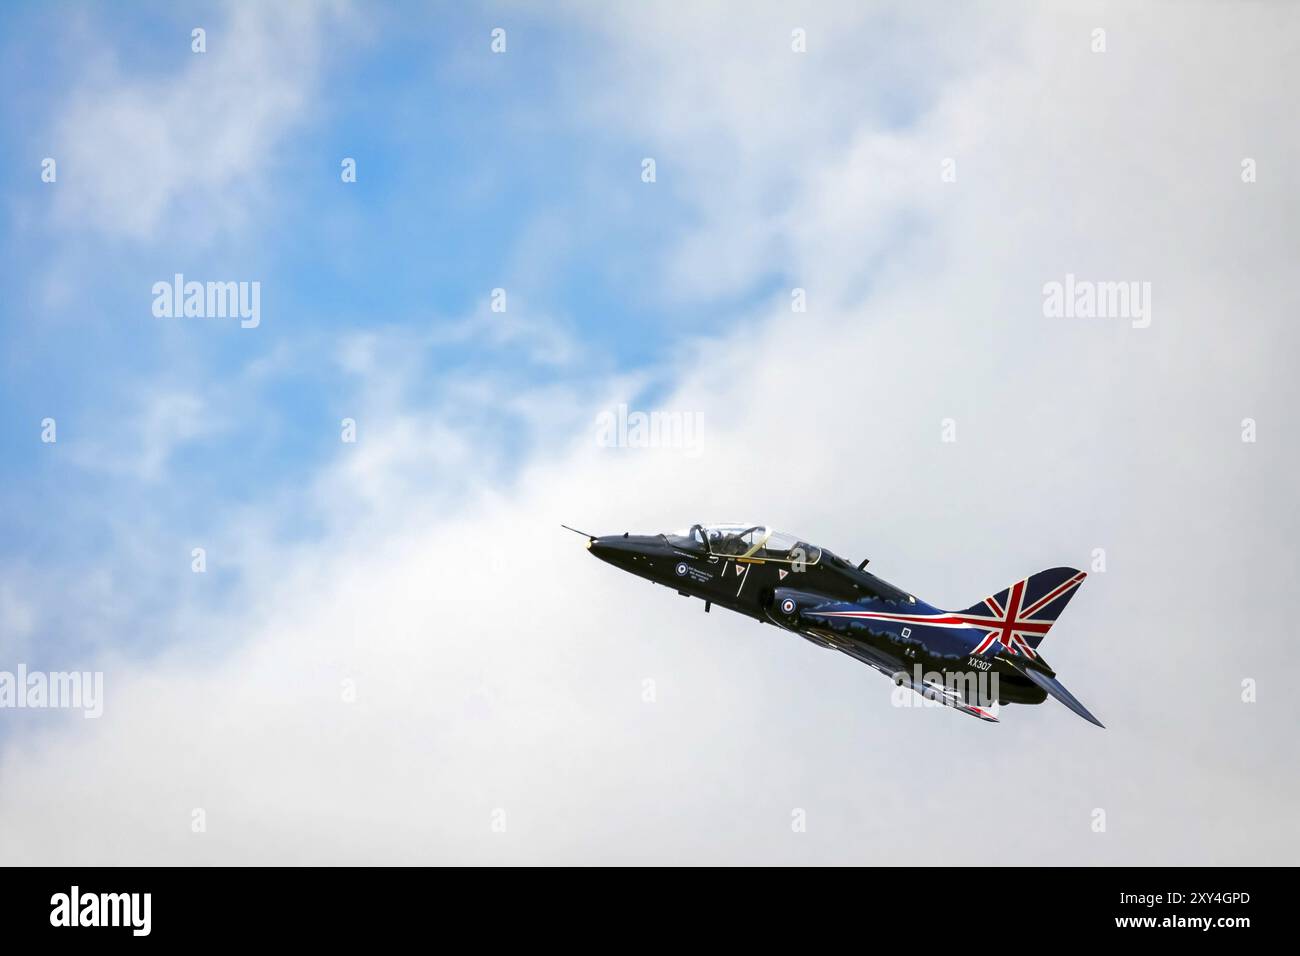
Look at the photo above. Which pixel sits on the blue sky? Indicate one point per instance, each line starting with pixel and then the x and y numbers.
pixel 475 171
pixel 473 175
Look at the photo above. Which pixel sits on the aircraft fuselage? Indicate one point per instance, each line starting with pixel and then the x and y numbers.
pixel 826 600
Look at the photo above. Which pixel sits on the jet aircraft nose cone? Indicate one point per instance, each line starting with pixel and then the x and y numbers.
pixel 631 552
pixel 610 547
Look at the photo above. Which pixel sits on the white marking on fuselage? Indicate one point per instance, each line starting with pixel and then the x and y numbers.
pixel 743 579
pixel 937 620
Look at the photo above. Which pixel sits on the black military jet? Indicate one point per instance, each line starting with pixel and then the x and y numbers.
pixel 972 660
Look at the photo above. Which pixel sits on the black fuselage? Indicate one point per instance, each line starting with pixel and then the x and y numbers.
pixel 736 582
pixel 763 589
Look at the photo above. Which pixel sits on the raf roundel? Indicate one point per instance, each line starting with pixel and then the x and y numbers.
pixel 681 568
pixel 787 606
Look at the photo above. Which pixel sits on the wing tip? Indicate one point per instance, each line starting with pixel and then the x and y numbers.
pixel 1056 689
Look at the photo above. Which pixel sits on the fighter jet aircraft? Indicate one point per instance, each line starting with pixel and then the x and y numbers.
pixel 972 660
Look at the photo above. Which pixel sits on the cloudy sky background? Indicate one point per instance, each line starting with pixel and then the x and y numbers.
pixel 496 665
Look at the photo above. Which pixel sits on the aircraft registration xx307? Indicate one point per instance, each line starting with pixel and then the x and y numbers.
pixel 972 660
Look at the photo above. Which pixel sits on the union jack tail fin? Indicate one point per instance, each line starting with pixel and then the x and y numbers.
pixel 1020 616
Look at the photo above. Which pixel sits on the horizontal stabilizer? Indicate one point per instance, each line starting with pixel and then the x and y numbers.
pixel 1057 690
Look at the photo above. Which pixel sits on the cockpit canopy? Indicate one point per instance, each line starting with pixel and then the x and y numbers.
pixel 746 541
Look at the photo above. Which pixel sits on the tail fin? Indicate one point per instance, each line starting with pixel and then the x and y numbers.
pixel 1021 615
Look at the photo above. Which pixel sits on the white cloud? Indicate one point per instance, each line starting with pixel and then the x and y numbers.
pixel 144 156
pixel 142 445
pixel 497 665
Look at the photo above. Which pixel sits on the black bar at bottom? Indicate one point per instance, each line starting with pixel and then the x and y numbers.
pixel 993 906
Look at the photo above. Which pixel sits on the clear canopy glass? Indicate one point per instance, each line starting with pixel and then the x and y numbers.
pixel 756 541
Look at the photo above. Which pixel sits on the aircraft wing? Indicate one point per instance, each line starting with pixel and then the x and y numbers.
pixel 897 672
